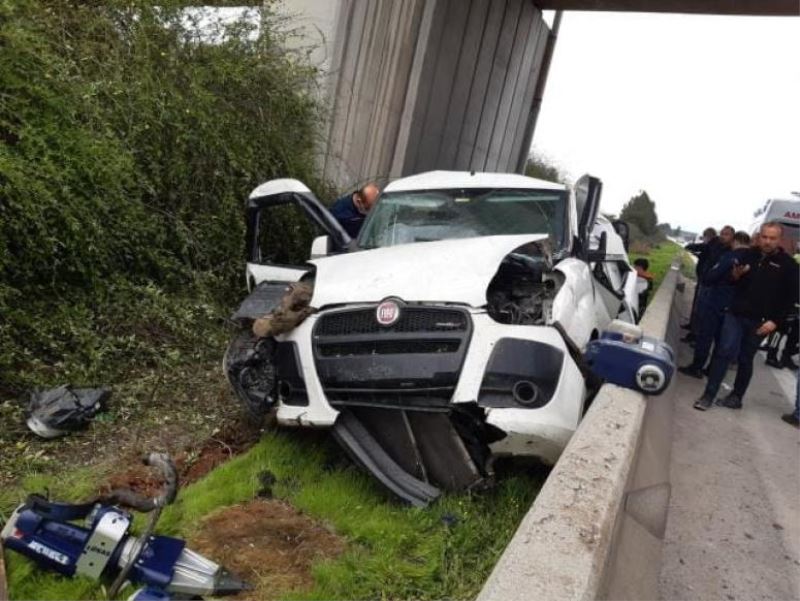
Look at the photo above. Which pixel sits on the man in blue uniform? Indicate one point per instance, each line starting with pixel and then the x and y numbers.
pixel 351 209
pixel 708 253
pixel 763 297
pixel 718 289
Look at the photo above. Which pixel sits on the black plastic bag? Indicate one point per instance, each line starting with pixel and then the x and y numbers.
pixel 61 410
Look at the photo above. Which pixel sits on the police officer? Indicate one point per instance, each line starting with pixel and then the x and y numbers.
pixel 718 291
pixel 708 253
pixel 765 283
pixel 351 209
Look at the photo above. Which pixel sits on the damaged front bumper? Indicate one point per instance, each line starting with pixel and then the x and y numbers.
pixel 429 403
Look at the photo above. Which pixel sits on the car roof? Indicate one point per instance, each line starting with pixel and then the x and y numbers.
pixel 445 180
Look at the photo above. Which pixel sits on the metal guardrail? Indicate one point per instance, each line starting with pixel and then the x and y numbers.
pixel 596 528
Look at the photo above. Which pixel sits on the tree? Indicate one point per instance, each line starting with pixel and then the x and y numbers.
pixel 541 167
pixel 641 212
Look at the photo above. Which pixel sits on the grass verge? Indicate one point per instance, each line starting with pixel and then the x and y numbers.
pixel 660 258
pixel 394 552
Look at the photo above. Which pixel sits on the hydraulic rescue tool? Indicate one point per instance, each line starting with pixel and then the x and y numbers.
pixel 624 356
pixel 161 565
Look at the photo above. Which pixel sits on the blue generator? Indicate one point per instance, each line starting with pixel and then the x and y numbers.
pixel 625 357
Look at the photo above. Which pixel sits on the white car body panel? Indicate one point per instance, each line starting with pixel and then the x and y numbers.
pixel 459 272
pixel 318 413
pixel 445 271
pixel 272 273
pixel 542 432
pixel 574 305
pixel 437 180
pixel 279 186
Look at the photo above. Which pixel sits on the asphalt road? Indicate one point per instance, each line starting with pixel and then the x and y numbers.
pixel 733 528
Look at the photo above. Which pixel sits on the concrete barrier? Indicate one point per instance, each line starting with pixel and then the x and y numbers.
pixel 596 528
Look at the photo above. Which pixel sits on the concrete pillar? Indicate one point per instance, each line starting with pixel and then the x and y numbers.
pixel 431 84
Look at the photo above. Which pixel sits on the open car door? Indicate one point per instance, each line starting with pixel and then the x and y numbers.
pixel 274 197
pixel 613 274
pixel 588 190
pixel 603 247
pixel 280 214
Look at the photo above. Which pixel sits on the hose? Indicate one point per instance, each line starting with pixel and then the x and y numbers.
pixel 153 505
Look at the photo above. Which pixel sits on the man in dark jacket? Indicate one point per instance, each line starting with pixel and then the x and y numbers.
pixel 351 209
pixel 718 289
pixel 762 299
pixel 708 253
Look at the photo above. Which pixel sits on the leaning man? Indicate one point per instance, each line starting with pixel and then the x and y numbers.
pixel 765 283
pixel 351 209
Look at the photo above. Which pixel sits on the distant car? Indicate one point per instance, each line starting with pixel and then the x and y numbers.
pixel 449 333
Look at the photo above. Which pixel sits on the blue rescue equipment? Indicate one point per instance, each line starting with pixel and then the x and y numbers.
pixel 103 547
pixel 622 355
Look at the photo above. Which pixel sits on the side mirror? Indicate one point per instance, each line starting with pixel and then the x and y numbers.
pixel 320 246
pixel 598 254
pixel 624 232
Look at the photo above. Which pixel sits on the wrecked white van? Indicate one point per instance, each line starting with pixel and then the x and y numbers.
pixel 448 334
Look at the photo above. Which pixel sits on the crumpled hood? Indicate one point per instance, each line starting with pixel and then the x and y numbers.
pixel 453 271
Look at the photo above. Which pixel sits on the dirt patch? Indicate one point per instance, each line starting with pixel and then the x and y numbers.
pixel 192 463
pixel 269 544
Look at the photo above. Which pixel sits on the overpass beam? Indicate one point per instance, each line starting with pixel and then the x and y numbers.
pixel 436 84
pixel 708 7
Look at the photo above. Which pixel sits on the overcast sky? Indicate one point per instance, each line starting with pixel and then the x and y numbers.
pixel 703 112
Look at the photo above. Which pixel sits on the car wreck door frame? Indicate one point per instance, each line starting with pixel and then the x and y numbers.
pixel 588 190
pixel 285 192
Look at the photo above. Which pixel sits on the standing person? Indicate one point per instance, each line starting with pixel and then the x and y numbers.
pixel 718 287
pixel 793 418
pixel 762 299
pixel 641 266
pixel 790 348
pixel 708 253
pixel 350 210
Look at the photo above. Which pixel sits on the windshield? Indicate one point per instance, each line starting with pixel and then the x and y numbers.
pixel 426 215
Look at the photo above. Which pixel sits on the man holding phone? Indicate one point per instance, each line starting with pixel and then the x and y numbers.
pixel 766 284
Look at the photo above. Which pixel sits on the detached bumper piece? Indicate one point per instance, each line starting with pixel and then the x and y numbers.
pixel 417 454
pixel 623 356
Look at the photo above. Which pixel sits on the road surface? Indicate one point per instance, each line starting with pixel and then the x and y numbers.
pixel 733 528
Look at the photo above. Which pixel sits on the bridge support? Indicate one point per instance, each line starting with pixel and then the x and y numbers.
pixel 433 84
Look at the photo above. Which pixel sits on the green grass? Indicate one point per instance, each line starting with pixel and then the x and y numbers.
pixel 26 581
pixel 660 258
pixel 393 552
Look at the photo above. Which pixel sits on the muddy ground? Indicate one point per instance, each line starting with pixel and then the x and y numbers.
pixel 269 544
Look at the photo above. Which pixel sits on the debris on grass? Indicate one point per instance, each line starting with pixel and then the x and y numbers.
pixel 59 411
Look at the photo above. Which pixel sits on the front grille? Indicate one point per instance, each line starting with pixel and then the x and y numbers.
pixel 386 347
pixel 428 399
pixel 412 320
pixel 415 362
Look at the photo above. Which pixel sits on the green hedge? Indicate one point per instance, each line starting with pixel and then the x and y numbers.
pixel 130 136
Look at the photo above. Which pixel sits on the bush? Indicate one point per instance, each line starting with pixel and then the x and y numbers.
pixel 130 137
